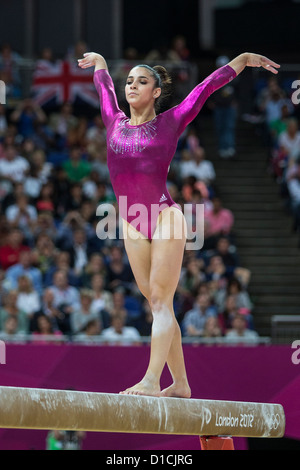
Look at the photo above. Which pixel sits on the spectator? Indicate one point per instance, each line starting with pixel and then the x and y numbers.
pixel 28 300
pixel 212 328
pixel 227 252
pixel 24 268
pixel 218 221
pixel 196 165
pixel 120 334
pixel 13 167
pixel 62 262
pixel 10 309
pixel 66 299
pixel 90 330
pixel 289 141
pixel 102 302
pixel 28 115
pixel 22 214
pixel 216 270
pixel 84 314
pixel 234 287
pixel 47 308
pixel 95 265
pixel 13 247
pixel 194 320
pixel 119 273
pixel 10 328
pixel 61 123
pixel 80 251
pixel 240 333
pixel 44 330
pixel 76 168
pixel 227 313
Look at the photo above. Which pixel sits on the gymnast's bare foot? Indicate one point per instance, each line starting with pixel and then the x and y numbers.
pixel 144 387
pixel 177 390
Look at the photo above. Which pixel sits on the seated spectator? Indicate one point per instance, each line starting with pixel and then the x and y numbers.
pixel 102 302
pixel 196 165
pixel 71 222
pixel 22 215
pixel 212 328
pixel 28 115
pixel 44 201
pixel 47 308
pixel 62 262
pixel 76 168
pixel 194 320
pixel 119 273
pixel 216 270
pixel 61 123
pixel 227 252
pixel 84 314
pixel 13 167
pixel 24 267
pixel 234 287
pixel 43 168
pixel 227 313
pixel 10 328
pixel 10 309
pixel 289 141
pixel 218 222
pixel 10 251
pixel 79 251
pixel 44 329
pixel 240 333
pixel 28 299
pixel 95 265
pixel 120 334
pixel 191 276
pixel 90 330
pixel 66 299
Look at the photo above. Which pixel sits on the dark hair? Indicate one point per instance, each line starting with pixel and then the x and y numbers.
pixel 162 80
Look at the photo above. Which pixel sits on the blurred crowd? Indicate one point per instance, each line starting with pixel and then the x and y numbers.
pixel 277 109
pixel 57 278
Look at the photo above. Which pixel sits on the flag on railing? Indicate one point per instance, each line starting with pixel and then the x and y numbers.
pixel 63 81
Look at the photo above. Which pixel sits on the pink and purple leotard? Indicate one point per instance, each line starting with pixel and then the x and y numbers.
pixel 139 157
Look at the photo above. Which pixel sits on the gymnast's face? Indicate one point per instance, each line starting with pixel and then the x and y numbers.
pixel 140 88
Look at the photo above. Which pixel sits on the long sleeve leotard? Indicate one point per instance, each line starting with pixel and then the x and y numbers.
pixel 139 157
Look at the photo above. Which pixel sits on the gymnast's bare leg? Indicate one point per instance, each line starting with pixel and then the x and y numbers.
pixel 156 267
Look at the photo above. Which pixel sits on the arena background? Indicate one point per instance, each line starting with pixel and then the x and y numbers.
pixel 263 253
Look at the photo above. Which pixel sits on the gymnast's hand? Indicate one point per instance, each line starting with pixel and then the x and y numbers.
pixel 248 59
pixel 256 60
pixel 92 59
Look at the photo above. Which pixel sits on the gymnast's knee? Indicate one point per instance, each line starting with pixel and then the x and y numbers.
pixel 159 301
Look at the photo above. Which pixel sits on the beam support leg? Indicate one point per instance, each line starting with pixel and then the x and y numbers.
pixel 216 443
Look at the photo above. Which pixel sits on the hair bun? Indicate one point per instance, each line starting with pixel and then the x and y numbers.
pixel 164 75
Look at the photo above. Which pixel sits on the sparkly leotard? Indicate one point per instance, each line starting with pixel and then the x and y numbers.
pixel 138 157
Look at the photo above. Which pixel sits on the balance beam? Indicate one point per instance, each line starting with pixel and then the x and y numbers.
pixel 34 408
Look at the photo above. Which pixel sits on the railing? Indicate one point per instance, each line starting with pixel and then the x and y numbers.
pixel 100 340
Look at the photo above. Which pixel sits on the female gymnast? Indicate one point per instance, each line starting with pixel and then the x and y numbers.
pixel 140 150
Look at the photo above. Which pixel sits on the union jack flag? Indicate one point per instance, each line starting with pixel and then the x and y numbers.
pixel 63 81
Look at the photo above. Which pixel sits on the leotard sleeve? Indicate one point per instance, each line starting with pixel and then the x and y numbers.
pixel 108 100
pixel 187 110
